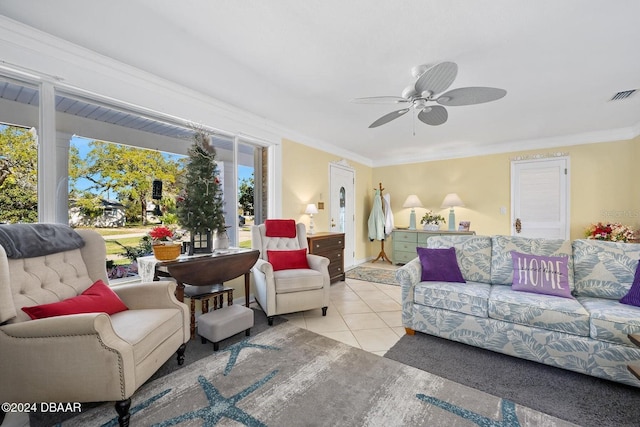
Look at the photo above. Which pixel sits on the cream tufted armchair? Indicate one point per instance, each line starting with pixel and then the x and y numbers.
pixel 91 357
pixel 289 290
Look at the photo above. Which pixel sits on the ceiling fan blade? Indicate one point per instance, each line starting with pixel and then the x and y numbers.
pixel 437 78
pixel 434 115
pixel 470 96
pixel 380 100
pixel 388 117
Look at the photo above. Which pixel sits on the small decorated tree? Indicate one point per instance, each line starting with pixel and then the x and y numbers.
pixel 200 205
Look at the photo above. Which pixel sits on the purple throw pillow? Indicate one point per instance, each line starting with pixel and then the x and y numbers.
pixel 633 296
pixel 439 265
pixel 548 275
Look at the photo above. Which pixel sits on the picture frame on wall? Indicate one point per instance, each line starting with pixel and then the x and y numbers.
pixel 464 226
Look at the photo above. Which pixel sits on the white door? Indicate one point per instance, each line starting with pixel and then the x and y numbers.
pixel 540 198
pixel 342 208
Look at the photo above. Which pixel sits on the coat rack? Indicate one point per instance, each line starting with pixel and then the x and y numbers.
pixel 382 255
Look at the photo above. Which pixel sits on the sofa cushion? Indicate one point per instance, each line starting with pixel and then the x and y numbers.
pixel 541 274
pixel 439 265
pixel 98 298
pixel 145 329
pixel 297 280
pixel 473 254
pixel 541 311
pixel 502 246
pixel 610 320
pixel 468 298
pixel 604 269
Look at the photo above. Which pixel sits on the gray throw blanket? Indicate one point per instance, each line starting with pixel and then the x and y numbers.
pixel 32 240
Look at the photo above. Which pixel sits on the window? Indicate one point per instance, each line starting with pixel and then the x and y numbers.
pixel 18 152
pixel 69 117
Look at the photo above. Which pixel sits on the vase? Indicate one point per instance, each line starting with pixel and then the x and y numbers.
pixel 221 240
pixel 431 227
pixel 166 252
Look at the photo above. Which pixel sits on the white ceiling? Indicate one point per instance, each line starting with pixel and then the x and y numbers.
pixel 299 64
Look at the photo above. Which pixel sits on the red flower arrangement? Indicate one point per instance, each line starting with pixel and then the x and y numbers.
pixel 161 233
pixel 614 232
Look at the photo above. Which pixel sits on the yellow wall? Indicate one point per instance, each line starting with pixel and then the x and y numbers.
pixel 305 176
pixel 602 188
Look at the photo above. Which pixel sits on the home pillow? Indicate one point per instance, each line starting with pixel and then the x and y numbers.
pixel 280 228
pixel 98 298
pixel 548 275
pixel 633 296
pixel 288 260
pixel 439 265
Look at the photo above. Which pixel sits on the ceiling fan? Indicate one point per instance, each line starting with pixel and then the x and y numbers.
pixel 431 81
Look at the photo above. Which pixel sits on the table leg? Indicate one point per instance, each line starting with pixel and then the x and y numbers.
pixel 247 285
pixel 180 292
pixel 193 317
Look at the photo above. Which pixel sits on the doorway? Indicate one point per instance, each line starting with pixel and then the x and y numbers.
pixel 342 208
pixel 540 198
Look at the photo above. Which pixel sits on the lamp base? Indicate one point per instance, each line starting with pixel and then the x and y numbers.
pixel 412 220
pixel 452 220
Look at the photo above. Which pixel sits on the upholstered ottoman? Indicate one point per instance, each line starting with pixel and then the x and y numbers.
pixel 220 324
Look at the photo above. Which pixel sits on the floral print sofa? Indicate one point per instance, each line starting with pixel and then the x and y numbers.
pixel 587 333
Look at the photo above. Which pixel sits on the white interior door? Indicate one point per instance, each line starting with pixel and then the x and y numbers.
pixel 540 198
pixel 342 208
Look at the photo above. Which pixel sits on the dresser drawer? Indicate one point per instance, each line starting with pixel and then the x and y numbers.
pixel 404 246
pixel 331 243
pixel 404 236
pixel 401 257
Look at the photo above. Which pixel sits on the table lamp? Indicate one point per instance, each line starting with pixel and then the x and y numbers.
pixel 311 209
pixel 450 201
pixel 412 202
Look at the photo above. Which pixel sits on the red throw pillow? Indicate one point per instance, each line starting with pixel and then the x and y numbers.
pixel 280 228
pixel 98 298
pixel 288 260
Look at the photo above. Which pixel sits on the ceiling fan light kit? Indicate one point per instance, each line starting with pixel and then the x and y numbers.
pixel 431 81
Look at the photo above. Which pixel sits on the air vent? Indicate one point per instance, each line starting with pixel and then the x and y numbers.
pixel 622 95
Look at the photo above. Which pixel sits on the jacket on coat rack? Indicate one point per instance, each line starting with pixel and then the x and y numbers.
pixel 376 219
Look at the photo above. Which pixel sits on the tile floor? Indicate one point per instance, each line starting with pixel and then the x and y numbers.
pixel 362 314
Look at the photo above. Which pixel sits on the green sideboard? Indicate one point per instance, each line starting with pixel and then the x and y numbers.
pixel 405 242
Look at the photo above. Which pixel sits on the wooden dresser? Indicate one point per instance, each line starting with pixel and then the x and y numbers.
pixel 330 245
pixel 405 242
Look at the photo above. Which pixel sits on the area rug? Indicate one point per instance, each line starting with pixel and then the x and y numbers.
pixel 571 396
pixel 288 376
pixel 376 275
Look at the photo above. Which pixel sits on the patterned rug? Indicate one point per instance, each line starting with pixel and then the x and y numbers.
pixel 376 275
pixel 288 376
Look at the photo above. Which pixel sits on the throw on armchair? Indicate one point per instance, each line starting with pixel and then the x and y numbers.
pixel 287 278
pixel 88 357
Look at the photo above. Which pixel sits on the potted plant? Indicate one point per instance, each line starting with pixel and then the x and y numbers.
pixel 432 221
pixel 163 244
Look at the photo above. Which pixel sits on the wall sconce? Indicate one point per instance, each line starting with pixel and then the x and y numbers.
pixel 452 200
pixel 310 210
pixel 412 202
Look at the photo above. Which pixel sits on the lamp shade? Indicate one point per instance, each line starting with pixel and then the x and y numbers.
pixel 451 200
pixel 311 209
pixel 412 202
